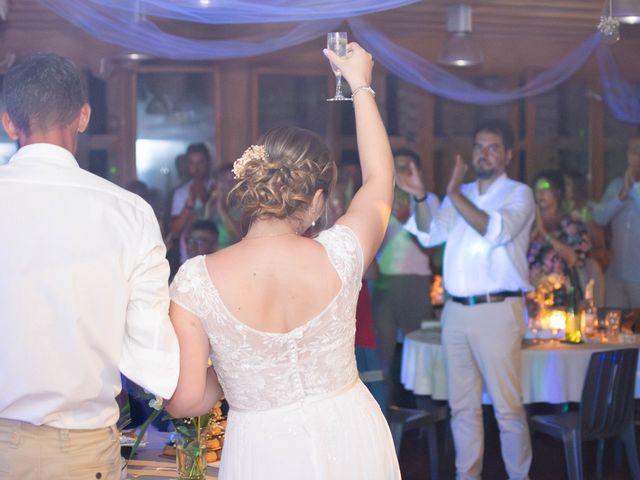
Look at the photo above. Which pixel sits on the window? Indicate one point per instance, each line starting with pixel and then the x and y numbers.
pixel 173 109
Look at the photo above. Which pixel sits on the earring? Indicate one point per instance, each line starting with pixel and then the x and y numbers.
pixel 313 224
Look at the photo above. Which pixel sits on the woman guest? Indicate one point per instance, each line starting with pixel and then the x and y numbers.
pixel 559 241
pixel 577 200
pixel 276 311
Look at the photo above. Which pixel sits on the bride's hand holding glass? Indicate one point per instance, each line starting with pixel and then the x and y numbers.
pixel 355 67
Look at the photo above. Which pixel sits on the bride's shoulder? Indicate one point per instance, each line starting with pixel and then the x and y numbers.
pixel 189 270
pixel 343 246
pixel 340 235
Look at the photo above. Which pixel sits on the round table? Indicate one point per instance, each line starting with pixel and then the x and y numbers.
pixel 552 372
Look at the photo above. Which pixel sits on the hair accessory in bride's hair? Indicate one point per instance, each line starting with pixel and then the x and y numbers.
pixel 254 152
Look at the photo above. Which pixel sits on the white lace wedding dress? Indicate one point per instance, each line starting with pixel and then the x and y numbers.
pixel 298 410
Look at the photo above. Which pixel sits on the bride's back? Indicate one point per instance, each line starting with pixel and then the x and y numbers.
pixel 278 331
pixel 274 284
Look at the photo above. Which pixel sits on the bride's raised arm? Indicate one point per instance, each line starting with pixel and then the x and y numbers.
pixel 368 213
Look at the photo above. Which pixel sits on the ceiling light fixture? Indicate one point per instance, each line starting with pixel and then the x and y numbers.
pixel 459 49
pixel 627 11
pixel 609 26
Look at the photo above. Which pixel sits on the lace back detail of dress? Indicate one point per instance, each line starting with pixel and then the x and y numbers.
pixel 261 370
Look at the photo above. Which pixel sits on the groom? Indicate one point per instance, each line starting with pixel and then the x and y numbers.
pixel 83 289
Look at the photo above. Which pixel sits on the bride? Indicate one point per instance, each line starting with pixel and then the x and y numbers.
pixel 276 311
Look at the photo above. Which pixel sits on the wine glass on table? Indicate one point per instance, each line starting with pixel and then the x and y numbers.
pixel 337 43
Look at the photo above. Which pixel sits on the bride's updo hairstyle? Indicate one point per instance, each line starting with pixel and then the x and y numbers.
pixel 278 177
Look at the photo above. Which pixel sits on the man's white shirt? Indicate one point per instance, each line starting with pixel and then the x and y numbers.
pixel 83 290
pixel 476 264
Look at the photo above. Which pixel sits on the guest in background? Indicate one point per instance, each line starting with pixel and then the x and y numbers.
pixel 367 358
pixel 485 225
pixel 83 290
pixel 348 182
pixel 620 209
pixel 173 243
pixel 182 168
pixel 217 210
pixel 559 241
pixel 202 239
pixel 402 292
pixel 189 200
pixel 576 202
pixel 367 355
pixel 349 177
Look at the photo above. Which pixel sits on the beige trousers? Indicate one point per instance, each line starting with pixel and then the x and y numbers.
pixel 482 343
pixel 29 452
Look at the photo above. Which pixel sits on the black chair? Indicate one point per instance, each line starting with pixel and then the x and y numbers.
pixel 606 411
pixel 405 419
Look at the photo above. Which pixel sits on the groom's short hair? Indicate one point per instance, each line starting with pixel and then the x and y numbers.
pixel 42 91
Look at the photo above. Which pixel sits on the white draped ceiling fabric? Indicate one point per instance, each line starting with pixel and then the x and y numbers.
pixel 129 24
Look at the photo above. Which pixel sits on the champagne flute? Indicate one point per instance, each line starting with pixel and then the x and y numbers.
pixel 337 43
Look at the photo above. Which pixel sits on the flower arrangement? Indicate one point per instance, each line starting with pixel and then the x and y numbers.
pixel 197 440
pixel 190 450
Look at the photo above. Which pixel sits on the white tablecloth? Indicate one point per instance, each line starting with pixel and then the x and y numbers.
pixel 552 372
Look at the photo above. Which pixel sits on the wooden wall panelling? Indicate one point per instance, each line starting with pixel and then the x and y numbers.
pixel 530 139
pixel 254 101
pixel 216 99
pixel 596 146
pixel 234 123
pixel 121 93
pixel 514 170
pixel 426 142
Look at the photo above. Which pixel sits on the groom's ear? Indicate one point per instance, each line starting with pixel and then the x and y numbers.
pixel 9 126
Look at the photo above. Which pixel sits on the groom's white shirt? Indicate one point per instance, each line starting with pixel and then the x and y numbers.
pixel 83 293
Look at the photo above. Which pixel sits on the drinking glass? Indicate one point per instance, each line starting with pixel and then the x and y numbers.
pixel 337 43
pixel 612 320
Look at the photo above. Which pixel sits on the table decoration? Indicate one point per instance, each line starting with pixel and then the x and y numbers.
pixel 547 308
pixel 195 442
pixel 437 291
pixel 590 326
pixel 191 460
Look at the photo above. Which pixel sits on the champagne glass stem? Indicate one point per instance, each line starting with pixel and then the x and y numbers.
pixel 338 85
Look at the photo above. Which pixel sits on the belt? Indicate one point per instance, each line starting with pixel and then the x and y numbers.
pixel 486 298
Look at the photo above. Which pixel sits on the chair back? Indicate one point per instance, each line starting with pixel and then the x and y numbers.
pixel 608 394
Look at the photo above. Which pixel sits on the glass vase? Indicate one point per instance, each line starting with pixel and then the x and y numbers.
pixel 191 460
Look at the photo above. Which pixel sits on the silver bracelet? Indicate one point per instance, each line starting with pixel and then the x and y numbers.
pixel 366 88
